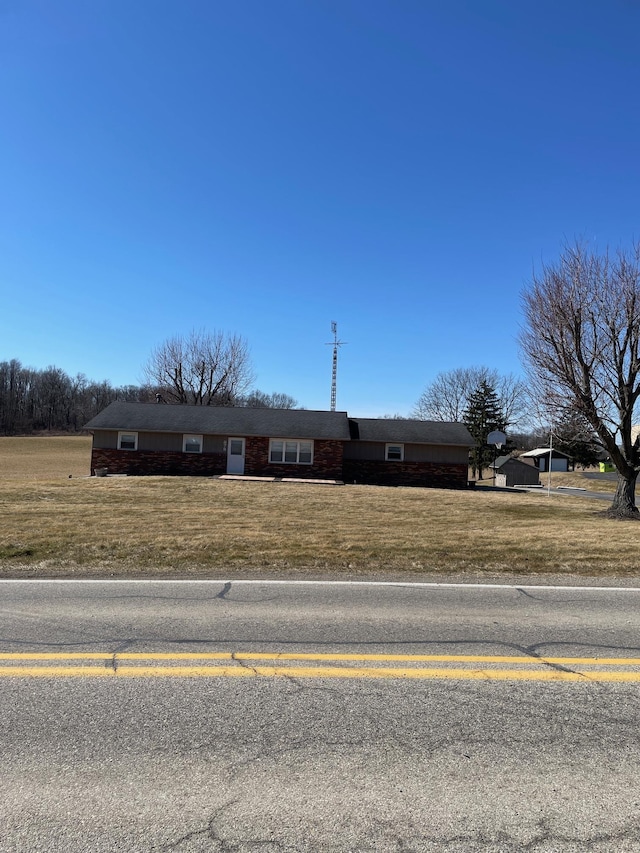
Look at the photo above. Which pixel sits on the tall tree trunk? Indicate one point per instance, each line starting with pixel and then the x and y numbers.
pixel 624 500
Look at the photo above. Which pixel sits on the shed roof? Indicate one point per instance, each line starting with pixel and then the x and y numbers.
pixel 222 420
pixel 514 460
pixel 545 451
pixel 410 431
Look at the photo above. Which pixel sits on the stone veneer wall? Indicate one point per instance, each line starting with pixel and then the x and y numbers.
pixel 326 465
pixel 438 475
pixel 158 462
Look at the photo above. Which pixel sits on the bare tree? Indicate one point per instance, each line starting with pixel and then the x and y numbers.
pixel 581 345
pixel 204 369
pixel 261 400
pixel 447 397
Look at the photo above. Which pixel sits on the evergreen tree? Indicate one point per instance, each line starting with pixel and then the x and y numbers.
pixel 482 416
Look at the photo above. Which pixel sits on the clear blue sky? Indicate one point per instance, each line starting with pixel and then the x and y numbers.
pixel 267 166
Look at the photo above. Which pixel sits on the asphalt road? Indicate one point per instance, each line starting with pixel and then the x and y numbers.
pixel 509 720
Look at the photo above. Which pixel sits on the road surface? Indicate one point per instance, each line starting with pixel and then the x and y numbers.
pixel 230 716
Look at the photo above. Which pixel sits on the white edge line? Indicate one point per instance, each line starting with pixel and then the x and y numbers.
pixel 256 582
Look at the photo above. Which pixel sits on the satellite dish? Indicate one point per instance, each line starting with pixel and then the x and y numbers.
pixel 496 437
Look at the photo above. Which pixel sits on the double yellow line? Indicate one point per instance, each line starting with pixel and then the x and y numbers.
pixel 315 665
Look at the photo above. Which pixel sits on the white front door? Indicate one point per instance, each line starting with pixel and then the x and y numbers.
pixel 235 456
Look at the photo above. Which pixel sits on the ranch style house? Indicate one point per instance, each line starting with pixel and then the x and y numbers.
pixel 156 438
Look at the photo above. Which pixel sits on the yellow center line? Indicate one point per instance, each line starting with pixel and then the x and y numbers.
pixel 101 664
pixel 414 673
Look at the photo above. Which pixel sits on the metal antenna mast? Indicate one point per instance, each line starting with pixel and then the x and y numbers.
pixel 334 372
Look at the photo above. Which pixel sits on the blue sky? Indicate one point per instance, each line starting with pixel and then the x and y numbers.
pixel 264 168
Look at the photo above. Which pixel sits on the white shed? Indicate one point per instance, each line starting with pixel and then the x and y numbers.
pixel 540 457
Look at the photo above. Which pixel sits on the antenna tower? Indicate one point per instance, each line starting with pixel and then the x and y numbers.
pixel 334 371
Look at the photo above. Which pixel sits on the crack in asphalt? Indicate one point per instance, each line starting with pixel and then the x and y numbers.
pixel 544 840
pixel 226 589
pixel 243 663
pixel 209 831
pixel 212 834
pixel 504 842
pixel 545 598
pixel 556 666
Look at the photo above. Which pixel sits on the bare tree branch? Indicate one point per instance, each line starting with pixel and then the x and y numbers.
pixel 447 397
pixel 581 342
pixel 203 369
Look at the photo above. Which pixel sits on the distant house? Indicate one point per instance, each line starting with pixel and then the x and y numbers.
pixel 150 438
pixel 511 471
pixel 540 457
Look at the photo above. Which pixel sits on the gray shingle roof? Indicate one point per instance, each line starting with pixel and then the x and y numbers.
pixel 215 420
pixel 410 431
pixel 502 460
pixel 279 423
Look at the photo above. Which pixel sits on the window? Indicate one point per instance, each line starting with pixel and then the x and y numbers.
pixel 127 441
pixel 394 452
pixel 294 452
pixel 192 444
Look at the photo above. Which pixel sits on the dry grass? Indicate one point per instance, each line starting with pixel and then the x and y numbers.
pixel 37 458
pixel 132 526
pixel 578 479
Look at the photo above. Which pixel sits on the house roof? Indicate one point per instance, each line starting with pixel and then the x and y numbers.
pixel 282 423
pixel 221 420
pixel 410 431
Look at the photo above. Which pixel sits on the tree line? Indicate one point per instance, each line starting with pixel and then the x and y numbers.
pixel 49 400
pixel 34 400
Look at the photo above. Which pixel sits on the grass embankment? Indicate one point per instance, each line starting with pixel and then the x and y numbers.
pixel 53 525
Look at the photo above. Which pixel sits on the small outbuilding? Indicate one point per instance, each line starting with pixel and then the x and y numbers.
pixel 512 471
pixel 540 457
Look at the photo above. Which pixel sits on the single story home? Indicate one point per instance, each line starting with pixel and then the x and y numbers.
pixel 155 438
pixel 540 456
pixel 512 471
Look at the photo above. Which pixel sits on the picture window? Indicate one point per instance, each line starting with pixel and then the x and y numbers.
pixel 291 452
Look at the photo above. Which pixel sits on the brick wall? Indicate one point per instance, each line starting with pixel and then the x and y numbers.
pixel 327 461
pixel 327 465
pixel 431 474
pixel 158 462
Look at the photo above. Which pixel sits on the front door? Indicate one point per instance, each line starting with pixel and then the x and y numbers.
pixel 235 456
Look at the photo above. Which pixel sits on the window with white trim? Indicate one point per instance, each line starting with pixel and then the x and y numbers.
pixel 127 441
pixel 394 452
pixel 192 444
pixel 293 452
